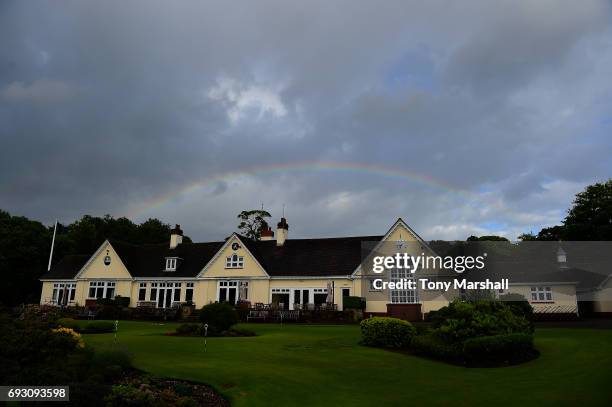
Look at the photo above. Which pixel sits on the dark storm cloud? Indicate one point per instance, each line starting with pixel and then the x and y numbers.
pixel 106 107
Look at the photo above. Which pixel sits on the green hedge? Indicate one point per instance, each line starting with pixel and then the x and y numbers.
pixel 118 301
pixel 98 327
pixel 190 329
pixel 219 316
pixel 434 347
pixel 498 349
pixel 386 332
pixel 353 302
pixel 69 323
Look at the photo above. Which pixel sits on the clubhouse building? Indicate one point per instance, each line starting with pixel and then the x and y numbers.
pixel 277 271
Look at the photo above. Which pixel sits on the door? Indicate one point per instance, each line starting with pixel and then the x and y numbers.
pixel 345 293
pixel 160 298
pixel 168 297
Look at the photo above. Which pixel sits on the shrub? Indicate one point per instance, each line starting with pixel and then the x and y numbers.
pixel 478 333
pixel 462 320
pixel 518 305
pixel 219 316
pixel 387 332
pixel 99 327
pixel 189 329
pixel 122 301
pixel 353 302
pixel 498 349
pixel 434 347
pixel 69 323
pixel 239 332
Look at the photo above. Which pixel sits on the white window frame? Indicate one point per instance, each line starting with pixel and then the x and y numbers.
pixel 142 287
pixel 171 263
pixel 172 288
pixel 541 294
pixel 231 285
pixel 234 262
pixel 68 288
pixel 105 286
pixel 402 296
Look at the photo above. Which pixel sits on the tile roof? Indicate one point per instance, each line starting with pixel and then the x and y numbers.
pixel 297 257
pixel 67 267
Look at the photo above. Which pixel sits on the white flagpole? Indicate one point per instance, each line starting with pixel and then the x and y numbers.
pixel 52 244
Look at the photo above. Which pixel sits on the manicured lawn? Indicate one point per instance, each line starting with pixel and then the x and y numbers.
pixel 324 365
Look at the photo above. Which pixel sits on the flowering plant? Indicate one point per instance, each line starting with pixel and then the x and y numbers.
pixel 70 333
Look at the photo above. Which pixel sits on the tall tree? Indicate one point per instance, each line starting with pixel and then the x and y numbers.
pixel 25 246
pixel 589 218
pixel 252 222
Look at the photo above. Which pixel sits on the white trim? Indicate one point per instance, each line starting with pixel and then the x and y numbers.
pixel 68 280
pixel 222 248
pixel 106 242
pixel 398 222
pixel 171 263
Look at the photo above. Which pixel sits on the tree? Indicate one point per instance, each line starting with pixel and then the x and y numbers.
pixel 25 246
pixel 488 238
pixel 252 223
pixel 589 218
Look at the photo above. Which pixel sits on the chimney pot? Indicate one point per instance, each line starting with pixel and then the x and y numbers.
pixel 176 236
pixel 282 232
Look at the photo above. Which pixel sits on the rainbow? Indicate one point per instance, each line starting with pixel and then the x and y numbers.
pixel 301 166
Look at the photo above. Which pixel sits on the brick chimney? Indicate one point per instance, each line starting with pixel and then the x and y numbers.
pixel 176 236
pixel 282 232
pixel 266 232
pixel 561 258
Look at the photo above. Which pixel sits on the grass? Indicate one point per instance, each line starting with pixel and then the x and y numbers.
pixel 309 365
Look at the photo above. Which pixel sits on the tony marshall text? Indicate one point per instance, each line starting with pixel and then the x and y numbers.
pixel 426 284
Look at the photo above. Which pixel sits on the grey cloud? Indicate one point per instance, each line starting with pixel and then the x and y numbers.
pixel 105 107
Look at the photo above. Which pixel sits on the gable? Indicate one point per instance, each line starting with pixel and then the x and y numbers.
pixel 234 246
pixel 96 268
pixel 399 232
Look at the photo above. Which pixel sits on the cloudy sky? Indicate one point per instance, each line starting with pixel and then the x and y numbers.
pixel 471 117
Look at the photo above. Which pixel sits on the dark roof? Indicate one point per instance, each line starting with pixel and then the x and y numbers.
pixel 150 260
pixel 67 267
pixel 310 257
pixel 297 257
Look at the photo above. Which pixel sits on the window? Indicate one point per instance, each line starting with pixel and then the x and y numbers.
pixel 541 294
pixel 153 293
pixel 63 293
pixel 101 289
pixel 165 294
pixel 234 262
pixel 170 263
pixel 371 285
pixel 189 292
pixel 404 296
pixel 177 292
pixel 142 292
pixel 232 291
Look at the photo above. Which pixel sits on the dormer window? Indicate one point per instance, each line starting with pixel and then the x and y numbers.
pixel 171 263
pixel 234 262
